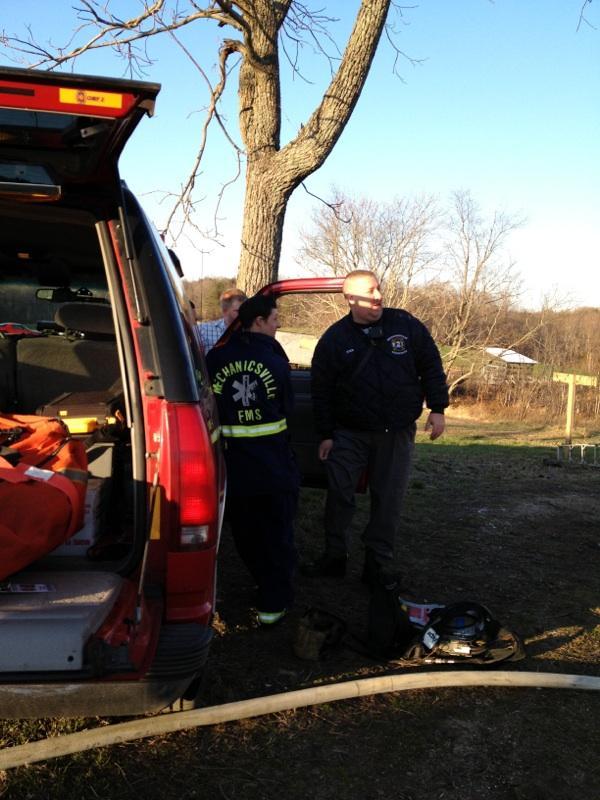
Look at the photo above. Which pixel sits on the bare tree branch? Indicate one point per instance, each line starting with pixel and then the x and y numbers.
pixel 184 200
pixel 582 18
pixel 333 207
pixel 116 33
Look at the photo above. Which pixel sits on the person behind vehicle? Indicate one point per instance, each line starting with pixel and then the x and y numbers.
pixel 251 380
pixel 371 372
pixel 210 332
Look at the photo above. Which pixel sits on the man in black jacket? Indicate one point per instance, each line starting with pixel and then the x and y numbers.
pixel 251 381
pixel 371 372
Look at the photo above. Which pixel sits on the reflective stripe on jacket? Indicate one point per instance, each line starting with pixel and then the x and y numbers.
pixel 251 431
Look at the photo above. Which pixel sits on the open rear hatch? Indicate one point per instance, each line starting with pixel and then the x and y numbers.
pixel 58 129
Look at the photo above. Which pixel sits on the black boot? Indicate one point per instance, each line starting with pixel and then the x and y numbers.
pixel 325 567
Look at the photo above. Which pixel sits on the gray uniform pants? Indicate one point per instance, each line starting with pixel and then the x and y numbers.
pixel 387 455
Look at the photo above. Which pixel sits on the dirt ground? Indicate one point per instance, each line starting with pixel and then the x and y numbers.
pixel 484 520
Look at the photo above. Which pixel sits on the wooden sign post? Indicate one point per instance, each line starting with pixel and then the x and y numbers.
pixel 572 380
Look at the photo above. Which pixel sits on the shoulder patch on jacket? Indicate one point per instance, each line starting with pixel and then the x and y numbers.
pixel 398 344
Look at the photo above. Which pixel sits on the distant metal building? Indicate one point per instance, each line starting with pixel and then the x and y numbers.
pixel 506 364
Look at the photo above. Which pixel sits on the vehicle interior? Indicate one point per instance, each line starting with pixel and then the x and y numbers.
pixel 59 357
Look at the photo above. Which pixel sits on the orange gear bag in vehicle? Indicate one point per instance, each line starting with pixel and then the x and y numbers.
pixel 43 477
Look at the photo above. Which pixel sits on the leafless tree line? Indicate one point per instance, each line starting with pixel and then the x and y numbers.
pixel 450 267
pixel 446 266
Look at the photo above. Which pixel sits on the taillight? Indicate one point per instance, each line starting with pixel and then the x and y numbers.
pixel 195 491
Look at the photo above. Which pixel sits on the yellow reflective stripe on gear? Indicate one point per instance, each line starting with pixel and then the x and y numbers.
pixel 251 431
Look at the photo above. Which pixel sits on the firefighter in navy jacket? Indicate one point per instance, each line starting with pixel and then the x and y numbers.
pixel 251 380
pixel 371 373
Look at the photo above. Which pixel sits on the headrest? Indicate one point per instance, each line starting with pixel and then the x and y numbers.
pixel 91 319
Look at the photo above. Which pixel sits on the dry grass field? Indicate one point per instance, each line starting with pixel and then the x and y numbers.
pixel 490 517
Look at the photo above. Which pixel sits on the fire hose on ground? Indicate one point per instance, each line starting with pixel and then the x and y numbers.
pixel 145 727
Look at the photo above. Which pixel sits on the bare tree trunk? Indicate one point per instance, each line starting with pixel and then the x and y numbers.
pixel 260 126
pixel 272 174
pixel 262 230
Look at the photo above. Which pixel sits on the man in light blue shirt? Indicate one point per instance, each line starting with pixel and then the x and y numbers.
pixel 210 332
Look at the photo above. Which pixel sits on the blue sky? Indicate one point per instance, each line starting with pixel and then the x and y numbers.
pixel 505 103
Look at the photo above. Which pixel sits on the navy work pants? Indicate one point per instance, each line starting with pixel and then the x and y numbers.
pixel 387 455
pixel 263 531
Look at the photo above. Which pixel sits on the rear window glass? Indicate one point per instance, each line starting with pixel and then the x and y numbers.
pixel 39 147
pixel 47 130
pixel 17 118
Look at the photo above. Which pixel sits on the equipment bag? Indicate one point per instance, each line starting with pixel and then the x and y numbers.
pixel 43 476
pixel 317 633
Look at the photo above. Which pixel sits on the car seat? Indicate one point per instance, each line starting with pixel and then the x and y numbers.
pixel 82 357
